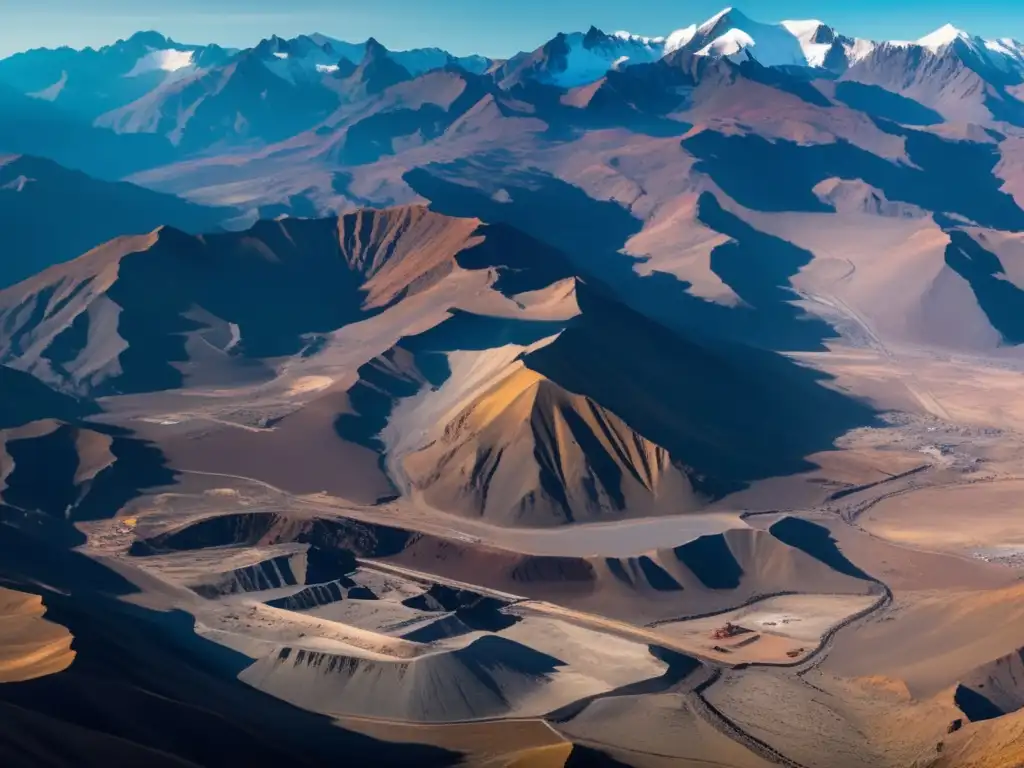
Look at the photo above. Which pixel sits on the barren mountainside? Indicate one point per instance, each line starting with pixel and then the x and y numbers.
pixel 629 400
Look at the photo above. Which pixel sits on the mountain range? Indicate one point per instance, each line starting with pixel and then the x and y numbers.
pixel 198 98
pixel 629 401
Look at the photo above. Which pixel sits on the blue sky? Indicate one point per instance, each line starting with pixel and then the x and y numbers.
pixel 491 27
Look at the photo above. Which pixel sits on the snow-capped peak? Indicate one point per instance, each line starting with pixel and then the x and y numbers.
pixel 798 42
pixel 803 27
pixel 641 39
pixel 679 38
pixel 730 33
pixel 708 25
pixel 942 37
pixel 167 60
pixel 1003 54
pixel 1008 47
pixel 818 41
pixel 588 57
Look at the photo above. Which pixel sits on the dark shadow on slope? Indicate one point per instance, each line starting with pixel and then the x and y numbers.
pixel 612 106
pixel 439 629
pixel 953 176
pixel 359 538
pixel 817 542
pixel 757 267
pixel 37 550
pixel 36 127
pixel 469 331
pixel 296 269
pixel 680 666
pixel 138 466
pixel 1005 107
pixel 618 570
pixel 993 689
pixel 485 617
pixel 305 271
pixel 44 471
pixel 975 705
pixel 442 598
pixel 148 679
pixel 377 135
pixel 28 739
pixel 657 577
pixel 884 104
pixel 604 471
pixel 30 311
pixel 273 108
pixel 591 234
pixel 547 569
pixel 588 757
pixel 23 399
pixel 588 232
pixel 492 650
pixel 273 573
pixel 312 596
pixel 390 376
pixel 711 561
pixel 728 414
pixel 323 565
pixel 59 214
pixel 782 80
pixel 418 362
pixel 1000 300
pixel 155 338
pixel 468 612
pixel 655 89
pixel 46 468
pixel 523 263
pixel 372 138
pixel 342 536
pixel 238 529
pixel 683 373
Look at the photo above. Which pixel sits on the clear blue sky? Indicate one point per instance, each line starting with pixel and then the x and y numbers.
pixel 490 27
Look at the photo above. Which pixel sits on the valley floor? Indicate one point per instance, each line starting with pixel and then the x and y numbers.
pixel 831 618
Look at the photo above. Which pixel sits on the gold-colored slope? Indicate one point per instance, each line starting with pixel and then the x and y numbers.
pixel 30 646
pixel 528 452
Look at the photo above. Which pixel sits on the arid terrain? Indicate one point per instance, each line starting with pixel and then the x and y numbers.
pixel 631 401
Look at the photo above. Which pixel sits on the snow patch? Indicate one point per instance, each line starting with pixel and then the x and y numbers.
pixel 805 28
pixel 772 45
pixel 169 60
pixel 794 42
pixel 708 25
pixel 629 36
pixel 585 65
pixel 679 38
pixel 1005 53
pixel 326 67
pixel 942 37
pixel 729 44
pixel 860 49
pixel 18 184
pixel 805 31
pixel 52 92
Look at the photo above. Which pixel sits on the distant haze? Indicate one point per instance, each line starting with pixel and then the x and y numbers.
pixel 462 26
